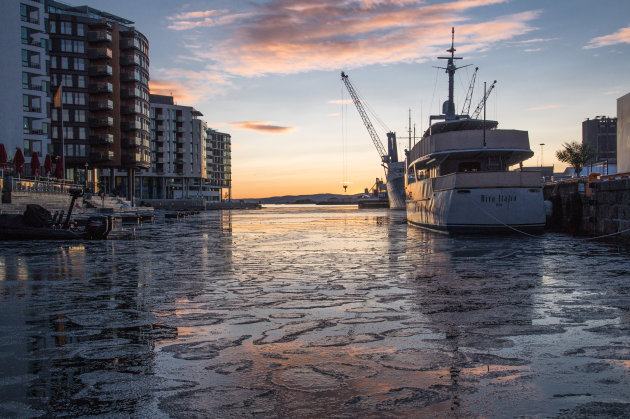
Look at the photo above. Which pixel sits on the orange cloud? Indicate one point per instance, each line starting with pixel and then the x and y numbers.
pixel 169 88
pixel 259 126
pixel 187 86
pixel 341 101
pixel 622 36
pixel 285 37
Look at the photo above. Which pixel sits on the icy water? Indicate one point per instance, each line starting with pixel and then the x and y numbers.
pixel 314 312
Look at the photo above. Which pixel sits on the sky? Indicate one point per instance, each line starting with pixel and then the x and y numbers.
pixel 268 73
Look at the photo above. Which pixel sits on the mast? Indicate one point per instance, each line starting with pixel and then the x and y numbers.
pixel 448 109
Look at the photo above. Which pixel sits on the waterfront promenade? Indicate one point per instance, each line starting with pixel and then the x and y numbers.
pixel 311 311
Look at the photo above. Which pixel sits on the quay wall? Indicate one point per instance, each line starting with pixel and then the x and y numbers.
pixel 195 204
pixel 590 207
pixel 51 201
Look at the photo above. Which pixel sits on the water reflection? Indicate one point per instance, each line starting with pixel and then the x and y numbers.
pixel 310 311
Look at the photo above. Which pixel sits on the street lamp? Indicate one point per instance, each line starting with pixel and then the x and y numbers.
pixel 86 175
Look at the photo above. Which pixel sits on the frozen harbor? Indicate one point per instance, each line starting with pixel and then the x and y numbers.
pixel 314 312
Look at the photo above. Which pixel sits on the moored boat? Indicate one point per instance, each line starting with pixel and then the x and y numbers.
pixel 458 178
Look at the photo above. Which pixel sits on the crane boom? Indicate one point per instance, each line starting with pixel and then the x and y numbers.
pixel 483 101
pixel 366 120
pixel 468 100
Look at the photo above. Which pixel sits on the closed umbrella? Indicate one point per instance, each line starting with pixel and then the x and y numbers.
pixel 48 165
pixel 18 161
pixel 59 168
pixel 3 158
pixel 35 164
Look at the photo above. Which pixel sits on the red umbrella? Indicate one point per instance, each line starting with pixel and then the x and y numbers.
pixel 35 164
pixel 3 156
pixel 48 165
pixel 18 160
pixel 59 168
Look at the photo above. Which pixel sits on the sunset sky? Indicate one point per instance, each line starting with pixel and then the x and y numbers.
pixel 267 72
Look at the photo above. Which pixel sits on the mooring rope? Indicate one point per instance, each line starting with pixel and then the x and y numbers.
pixel 533 235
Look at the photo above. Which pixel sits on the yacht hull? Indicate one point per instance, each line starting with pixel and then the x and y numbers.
pixel 396 190
pixel 501 208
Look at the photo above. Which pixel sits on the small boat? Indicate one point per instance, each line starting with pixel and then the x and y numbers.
pixel 37 223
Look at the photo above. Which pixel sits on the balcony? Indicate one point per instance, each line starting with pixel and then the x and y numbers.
pixel 101 88
pixel 129 77
pixel 128 43
pixel 100 70
pixel 127 110
pixel 129 60
pixel 102 122
pixel 99 36
pixel 129 93
pixel 131 125
pixel 101 156
pixel 132 142
pixel 96 53
pixel 102 139
pixel 103 105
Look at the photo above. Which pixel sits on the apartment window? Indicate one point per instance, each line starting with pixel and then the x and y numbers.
pixel 78 46
pixel 26 81
pixel 64 63
pixel 53 26
pixel 26 123
pixel 79 64
pixel 53 115
pixel 68 133
pixel 25 35
pixel 80 29
pixel 81 150
pixel 79 99
pixel 82 133
pixel 66 115
pixel 66 28
pixel 80 81
pixel 66 45
pixel 53 62
pixel 66 80
pixel 79 115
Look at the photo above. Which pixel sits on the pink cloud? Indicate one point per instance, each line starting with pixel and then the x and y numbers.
pixel 288 36
pixel 259 126
pixel 622 36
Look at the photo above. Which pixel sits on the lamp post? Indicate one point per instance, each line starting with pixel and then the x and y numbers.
pixel 86 175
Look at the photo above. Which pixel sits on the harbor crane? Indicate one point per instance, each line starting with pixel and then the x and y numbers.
pixel 390 156
pixel 468 100
pixel 483 101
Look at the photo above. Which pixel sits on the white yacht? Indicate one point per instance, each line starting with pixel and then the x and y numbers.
pixel 458 179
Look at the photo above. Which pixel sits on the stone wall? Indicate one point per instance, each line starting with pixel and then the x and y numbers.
pixel 596 208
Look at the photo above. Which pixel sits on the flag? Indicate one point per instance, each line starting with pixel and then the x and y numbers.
pixel 57 98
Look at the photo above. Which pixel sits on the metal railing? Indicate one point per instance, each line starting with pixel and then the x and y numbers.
pixel 38 185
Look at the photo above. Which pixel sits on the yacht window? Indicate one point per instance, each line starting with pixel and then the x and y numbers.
pixel 494 163
pixel 469 166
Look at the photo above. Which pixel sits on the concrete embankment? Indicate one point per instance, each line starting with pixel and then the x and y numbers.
pixel 591 207
pixel 195 205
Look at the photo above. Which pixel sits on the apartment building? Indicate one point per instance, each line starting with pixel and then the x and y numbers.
pixel 600 133
pixel 24 116
pixel 101 61
pixel 178 163
pixel 219 169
